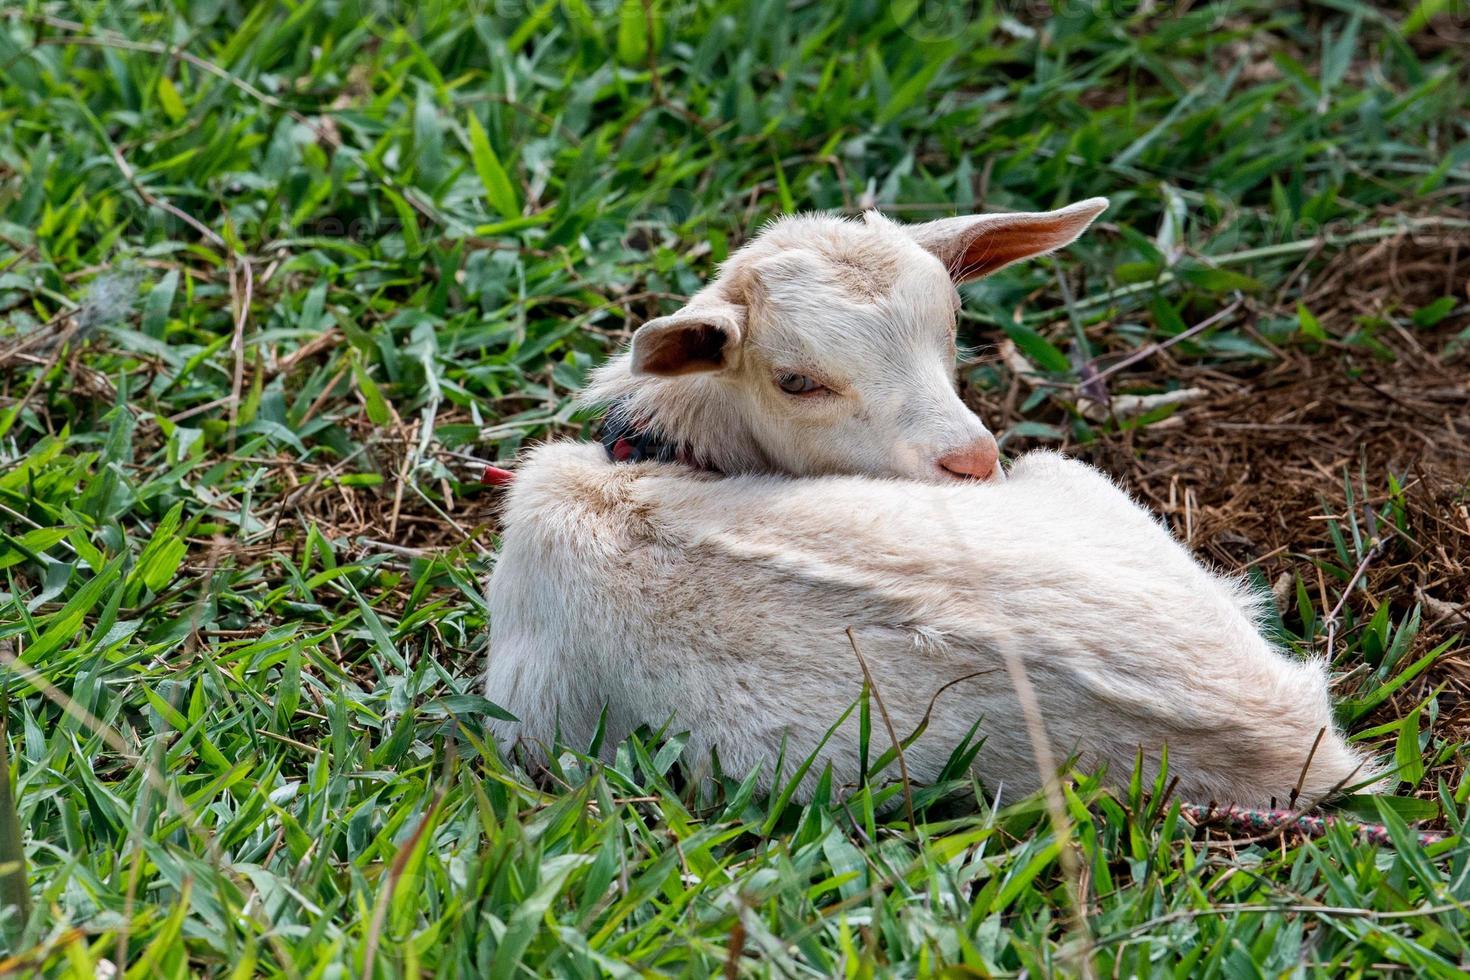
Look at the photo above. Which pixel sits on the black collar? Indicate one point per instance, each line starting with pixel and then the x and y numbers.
pixel 631 440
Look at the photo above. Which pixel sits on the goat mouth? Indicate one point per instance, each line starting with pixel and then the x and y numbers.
pixel 997 475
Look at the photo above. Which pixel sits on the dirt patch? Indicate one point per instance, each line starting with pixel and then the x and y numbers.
pixel 1258 474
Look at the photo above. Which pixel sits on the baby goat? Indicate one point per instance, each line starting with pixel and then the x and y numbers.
pixel 832 486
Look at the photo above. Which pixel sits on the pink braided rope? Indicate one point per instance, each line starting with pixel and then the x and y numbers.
pixel 1271 821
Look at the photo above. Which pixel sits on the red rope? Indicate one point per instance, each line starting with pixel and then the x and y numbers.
pixel 495 476
pixel 1272 821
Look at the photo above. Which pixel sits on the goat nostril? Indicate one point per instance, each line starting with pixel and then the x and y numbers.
pixel 977 461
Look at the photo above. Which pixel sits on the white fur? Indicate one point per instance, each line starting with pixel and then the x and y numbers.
pixel 720 603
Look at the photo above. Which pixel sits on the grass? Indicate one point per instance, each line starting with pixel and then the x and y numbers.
pixel 269 273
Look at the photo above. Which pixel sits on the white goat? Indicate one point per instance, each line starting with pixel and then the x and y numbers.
pixel 719 596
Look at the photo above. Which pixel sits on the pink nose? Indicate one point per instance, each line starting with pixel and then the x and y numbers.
pixel 977 461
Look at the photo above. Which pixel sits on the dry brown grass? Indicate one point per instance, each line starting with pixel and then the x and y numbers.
pixel 1252 475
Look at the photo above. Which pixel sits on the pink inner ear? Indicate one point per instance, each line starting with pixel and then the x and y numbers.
pixel 685 349
pixel 1013 239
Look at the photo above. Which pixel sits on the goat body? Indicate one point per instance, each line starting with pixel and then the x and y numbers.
pixel 721 604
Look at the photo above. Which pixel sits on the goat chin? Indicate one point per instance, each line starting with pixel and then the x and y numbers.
pixel 721 607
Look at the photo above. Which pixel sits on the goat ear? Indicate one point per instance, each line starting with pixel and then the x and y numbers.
pixel 701 337
pixel 975 246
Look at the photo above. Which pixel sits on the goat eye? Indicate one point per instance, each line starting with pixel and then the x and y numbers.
pixel 799 384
